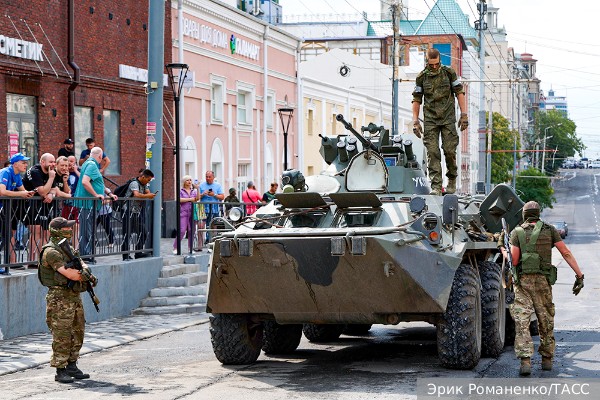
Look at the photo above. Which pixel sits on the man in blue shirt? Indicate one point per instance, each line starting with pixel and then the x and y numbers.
pixel 211 193
pixel 91 143
pixel 11 185
pixel 90 185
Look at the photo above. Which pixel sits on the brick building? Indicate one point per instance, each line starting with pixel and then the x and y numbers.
pixel 76 69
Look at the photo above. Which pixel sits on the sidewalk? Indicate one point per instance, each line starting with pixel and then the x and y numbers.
pixel 33 350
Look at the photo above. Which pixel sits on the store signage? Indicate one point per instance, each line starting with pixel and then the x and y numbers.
pixel 138 74
pixel 20 48
pixel 216 38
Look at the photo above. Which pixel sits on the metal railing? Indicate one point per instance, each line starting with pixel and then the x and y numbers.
pixel 108 228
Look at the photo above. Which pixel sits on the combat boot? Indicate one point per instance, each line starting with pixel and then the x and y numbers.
pixel 75 372
pixel 547 363
pixel 525 369
pixel 63 376
pixel 451 188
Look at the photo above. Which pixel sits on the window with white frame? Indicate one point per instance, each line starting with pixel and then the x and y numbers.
pixel 269 110
pixel 242 178
pixel 244 105
pixel 217 99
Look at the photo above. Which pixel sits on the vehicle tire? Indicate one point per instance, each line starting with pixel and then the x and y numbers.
pixel 235 338
pixel 509 335
pixel 280 339
pixel 459 328
pixel 357 329
pixel 321 333
pixel 493 309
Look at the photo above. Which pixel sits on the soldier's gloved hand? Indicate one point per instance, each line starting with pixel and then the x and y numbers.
pixel 578 285
pixel 500 242
pixel 86 276
pixel 463 122
pixel 417 129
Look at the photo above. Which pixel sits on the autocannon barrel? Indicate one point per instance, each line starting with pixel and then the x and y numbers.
pixel 366 143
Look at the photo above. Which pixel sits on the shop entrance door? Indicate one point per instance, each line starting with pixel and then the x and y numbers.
pixel 22 126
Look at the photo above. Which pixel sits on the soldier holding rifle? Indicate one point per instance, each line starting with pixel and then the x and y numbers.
pixel 58 271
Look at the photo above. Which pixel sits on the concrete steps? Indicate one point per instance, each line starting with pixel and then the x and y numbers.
pixel 181 287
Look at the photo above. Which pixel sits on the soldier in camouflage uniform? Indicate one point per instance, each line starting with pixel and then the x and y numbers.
pixel 531 249
pixel 64 309
pixel 437 85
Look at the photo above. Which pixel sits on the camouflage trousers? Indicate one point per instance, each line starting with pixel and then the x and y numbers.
pixel 533 294
pixel 66 321
pixel 431 141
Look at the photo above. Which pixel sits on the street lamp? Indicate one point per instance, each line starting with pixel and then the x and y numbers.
pixel 543 169
pixel 285 114
pixel 177 73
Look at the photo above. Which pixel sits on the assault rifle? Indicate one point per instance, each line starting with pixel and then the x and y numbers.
pixel 511 268
pixel 76 263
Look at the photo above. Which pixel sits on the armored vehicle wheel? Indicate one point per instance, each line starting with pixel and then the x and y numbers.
pixel 493 317
pixel 357 329
pixel 281 339
pixel 459 329
pixel 235 338
pixel 321 333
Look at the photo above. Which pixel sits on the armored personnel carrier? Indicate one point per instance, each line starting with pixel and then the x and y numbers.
pixel 362 243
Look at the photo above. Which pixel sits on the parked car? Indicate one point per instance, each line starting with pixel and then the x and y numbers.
pixel 595 164
pixel 562 227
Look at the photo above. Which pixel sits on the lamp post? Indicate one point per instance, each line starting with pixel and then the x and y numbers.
pixel 543 169
pixel 177 73
pixel 285 114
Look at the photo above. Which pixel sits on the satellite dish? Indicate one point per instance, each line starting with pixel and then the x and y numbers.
pixel 344 70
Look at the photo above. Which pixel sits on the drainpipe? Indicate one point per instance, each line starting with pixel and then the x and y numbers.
pixel 76 78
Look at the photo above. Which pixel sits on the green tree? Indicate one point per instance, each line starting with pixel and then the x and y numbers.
pixel 561 137
pixel 503 142
pixel 534 185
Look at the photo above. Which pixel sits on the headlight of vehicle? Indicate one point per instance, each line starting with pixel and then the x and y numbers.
pixel 235 214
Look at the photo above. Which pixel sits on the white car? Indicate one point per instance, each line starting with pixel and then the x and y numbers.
pixel 595 164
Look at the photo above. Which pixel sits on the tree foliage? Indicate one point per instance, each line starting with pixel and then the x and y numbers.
pixel 561 136
pixel 534 185
pixel 502 139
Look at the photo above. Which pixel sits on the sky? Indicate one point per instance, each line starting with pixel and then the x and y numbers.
pixel 559 34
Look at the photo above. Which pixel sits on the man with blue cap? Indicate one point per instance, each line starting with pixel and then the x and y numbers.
pixel 11 185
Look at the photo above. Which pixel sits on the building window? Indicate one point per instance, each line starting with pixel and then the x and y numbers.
pixel 217 97
pixel 245 104
pixel 333 123
pixel 84 127
pixel 445 50
pixel 242 178
pixel 311 120
pixel 112 140
pixel 269 109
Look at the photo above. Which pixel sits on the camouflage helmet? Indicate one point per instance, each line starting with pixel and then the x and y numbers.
pixel 531 210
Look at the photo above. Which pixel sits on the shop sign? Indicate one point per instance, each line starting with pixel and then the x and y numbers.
pixel 138 74
pixel 20 48
pixel 216 38
pixel 13 144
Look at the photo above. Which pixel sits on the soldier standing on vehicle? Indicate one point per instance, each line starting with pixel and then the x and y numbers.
pixel 64 309
pixel 531 249
pixel 436 87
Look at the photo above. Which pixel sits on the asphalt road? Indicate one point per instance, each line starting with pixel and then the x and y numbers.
pixel 385 364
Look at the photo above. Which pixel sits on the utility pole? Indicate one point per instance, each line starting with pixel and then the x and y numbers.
pixel 156 56
pixel 488 178
pixel 396 7
pixel 481 25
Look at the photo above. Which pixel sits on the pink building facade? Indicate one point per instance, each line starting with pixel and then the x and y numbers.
pixel 241 72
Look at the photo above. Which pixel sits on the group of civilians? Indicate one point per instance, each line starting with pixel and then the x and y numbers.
pixel 63 178
pixel 209 195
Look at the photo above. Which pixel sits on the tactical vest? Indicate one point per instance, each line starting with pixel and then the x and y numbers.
pixel 46 275
pixel 531 262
